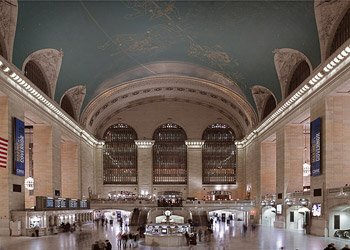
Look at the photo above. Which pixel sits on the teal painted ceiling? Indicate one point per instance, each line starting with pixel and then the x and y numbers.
pixel 103 38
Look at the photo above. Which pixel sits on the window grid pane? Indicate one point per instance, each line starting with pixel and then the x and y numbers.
pixel 169 155
pixel 218 156
pixel 120 155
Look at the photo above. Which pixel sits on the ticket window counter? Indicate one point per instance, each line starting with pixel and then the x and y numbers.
pixel 36 226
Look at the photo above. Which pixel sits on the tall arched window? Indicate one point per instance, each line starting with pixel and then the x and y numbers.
pixel 120 155
pixel 269 106
pixel 67 106
pixel 301 72
pixel 33 72
pixel 218 155
pixel 342 34
pixel 169 155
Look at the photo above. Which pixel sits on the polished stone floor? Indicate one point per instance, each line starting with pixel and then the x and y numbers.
pixel 224 237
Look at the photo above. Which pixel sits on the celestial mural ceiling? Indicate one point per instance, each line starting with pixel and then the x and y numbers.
pixel 101 39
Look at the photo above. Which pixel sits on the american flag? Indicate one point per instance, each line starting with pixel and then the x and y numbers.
pixel 3 152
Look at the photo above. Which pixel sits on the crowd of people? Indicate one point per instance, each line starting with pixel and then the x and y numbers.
pixel 331 246
pixel 101 245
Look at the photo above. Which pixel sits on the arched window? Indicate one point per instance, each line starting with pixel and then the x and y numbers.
pixel 67 106
pixel 169 155
pixel 301 72
pixel 33 72
pixel 120 155
pixel 218 155
pixel 342 34
pixel 269 106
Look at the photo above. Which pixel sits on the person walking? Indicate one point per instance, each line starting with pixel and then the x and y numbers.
pixel 119 240
pixel 346 247
pixel 108 245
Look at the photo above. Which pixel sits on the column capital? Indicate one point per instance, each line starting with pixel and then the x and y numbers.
pixel 144 143
pixel 194 143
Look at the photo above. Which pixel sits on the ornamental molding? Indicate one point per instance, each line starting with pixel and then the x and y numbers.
pixel 144 143
pixel 49 60
pixel 168 88
pixel 194 144
pixel 286 60
pixel 328 16
pixel 106 122
pixel 8 23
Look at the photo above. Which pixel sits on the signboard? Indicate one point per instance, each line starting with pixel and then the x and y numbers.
pixel 18 147
pixel 83 204
pixel 315 147
pixel 49 203
pixel 73 203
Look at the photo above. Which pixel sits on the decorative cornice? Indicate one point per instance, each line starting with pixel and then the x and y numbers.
pixel 306 90
pixel 32 94
pixel 172 87
pixel 191 144
pixel 144 143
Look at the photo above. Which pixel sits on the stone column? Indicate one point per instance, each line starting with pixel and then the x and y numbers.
pixel 5 173
pixel 70 170
pixel 144 165
pixel 194 167
pixel 268 168
pixel 241 172
pixel 42 157
pixel 97 187
pixel 293 158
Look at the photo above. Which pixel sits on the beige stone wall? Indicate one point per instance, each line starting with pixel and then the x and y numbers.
pixel 145 119
pixel 252 166
pixel 268 168
pixel 144 170
pixel 194 166
pixel 70 170
pixel 241 173
pixel 337 141
pixel 42 157
pixel 5 182
pixel 87 161
pixel 98 187
pixel 48 133
pixel 280 170
pixel 56 159
pixel 293 158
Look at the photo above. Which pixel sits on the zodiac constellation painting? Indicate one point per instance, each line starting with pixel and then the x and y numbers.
pixel 171 28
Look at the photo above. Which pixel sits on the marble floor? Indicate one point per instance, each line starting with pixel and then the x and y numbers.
pixel 224 237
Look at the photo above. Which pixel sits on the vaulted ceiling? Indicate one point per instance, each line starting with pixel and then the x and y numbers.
pixel 102 40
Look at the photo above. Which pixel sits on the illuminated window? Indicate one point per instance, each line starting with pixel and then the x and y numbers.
pixel 218 155
pixel 301 72
pixel 120 155
pixel 33 72
pixel 342 34
pixel 169 155
pixel 67 106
